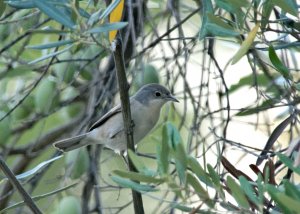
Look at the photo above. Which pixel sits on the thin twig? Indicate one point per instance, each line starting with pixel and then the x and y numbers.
pixel 12 178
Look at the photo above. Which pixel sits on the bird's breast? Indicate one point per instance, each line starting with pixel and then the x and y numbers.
pixel 144 120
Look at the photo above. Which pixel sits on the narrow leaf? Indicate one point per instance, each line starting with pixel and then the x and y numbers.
pixel 201 192
pixel 163 152
pixel 267 104
pixel 237 193
pixel 249 80
pixel 50 30
pixel 54 13
pixel 292 190
pixel 19 70
pixel 2 7
pixel 123 182
pixel 274 136
pixel 268 6
pixel 199 171
pixel 51 45
pixel 232 170
pixel 247 43
pixel 207 8
pixel 215 26
pixel 286 203
pixel 35 169
pixel 137 176
pixel 269 172
pixel 249 190
pixel 108 27
pixel 109 9
pixel 289 6
pixel 139 165
pixel 49 55
pixel 288 162
pixel 177 150
pixel 216 180
pixel 21 4
pixel 280 67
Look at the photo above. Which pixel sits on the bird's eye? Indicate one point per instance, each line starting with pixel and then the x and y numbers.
pixel 157 94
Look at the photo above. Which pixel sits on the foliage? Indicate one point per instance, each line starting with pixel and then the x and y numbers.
pixel 57 75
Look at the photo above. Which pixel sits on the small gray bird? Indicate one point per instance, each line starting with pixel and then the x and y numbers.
pixel 145 108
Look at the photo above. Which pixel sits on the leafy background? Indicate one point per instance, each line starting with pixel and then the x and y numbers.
pixel 232 144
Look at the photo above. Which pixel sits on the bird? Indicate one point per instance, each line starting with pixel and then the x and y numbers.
pixel 108 131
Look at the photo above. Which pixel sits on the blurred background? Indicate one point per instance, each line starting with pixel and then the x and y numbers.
pixel 232 64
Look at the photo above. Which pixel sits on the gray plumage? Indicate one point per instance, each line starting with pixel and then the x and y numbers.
pixel 109 129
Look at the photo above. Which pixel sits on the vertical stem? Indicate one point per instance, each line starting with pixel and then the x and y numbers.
pixel 126 112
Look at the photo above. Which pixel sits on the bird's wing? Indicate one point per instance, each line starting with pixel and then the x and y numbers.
pixel 106 116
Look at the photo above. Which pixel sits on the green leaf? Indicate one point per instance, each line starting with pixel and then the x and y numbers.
pixel 138 177
pixel 46 96
pixel 286 203
pixel 247 43
pixel 201 192
pixel 266 12
pixel 182 207
pixel 2 7
pixel 181 162
pixel 215 26
pixel 21 4
pixel 5 128
pixel 234 7
pixel 267 104
pixel 50 30
pixel 108 27
pixel 215 179
pixel 19 70
pixel 289 6
pixel 237 193
pixel 207 8
pixel 288 162
pixel 51 44
pixel 177 150
pixel 199 171
pixel 109 9
pixel 139 165
pixel 54 13
pixel 49 55
pixel 280 67
pixel 163 152
pixel 261 80
pixel 260 187
pixel 123 182
pixel 37 168
pixel 249 190
pixel 292 190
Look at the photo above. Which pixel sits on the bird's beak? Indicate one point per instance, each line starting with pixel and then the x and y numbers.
pixel 172 98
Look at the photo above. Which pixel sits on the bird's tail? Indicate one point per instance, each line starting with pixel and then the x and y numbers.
pixel 69 144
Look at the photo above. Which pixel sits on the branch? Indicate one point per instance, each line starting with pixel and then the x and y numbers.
pixel 12 178
pixel 128 123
